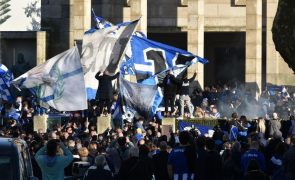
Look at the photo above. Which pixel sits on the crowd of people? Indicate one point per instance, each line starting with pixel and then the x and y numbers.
pixel 240 147
pixel 220 101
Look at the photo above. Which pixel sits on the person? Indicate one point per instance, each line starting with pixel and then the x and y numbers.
pixel 51 161
pixel 289 161
pixel 182 159
pixel 104 92
pixel 101 170
pixel 292 127
pixel 254 172
pixel 170 88
pixel 160 162
pixel 129 163
pixel 142 168
pixel 206 169
pixel 120 152
pixel 253 154
pixel 184 94
pixel 214 112
pixel 275 126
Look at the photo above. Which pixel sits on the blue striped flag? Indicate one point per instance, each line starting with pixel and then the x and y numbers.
pixel 5 79
pixel 58 82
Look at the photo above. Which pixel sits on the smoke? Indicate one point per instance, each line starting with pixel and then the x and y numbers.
pixel 239 99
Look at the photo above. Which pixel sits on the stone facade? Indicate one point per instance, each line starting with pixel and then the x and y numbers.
pixel 16 45
pixel 65 21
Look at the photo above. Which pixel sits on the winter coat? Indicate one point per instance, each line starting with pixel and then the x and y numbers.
pixel 170 85
pixel 275 126
pixel 105 88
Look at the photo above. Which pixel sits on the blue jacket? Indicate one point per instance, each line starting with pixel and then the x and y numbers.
pixel 252 154
pixel 53 167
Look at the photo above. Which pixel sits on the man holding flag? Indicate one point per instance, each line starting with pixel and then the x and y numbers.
pixel 102 50
pixel 148 60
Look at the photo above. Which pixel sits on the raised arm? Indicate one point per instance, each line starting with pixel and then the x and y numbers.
pixel 68 156
pixel 193 78
pixel 41 152
pixel 115 76
pixel 97 75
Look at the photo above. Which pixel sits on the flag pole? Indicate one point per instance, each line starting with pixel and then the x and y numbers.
pixel 94 15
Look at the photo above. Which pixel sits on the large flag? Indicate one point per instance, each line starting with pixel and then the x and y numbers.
pixel 102 51
pixel 5 79
pixel 136 99
pixel 150 61
pixel 150 58
pixel 58 82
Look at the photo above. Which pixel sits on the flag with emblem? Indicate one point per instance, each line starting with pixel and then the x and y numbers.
pixel 59 82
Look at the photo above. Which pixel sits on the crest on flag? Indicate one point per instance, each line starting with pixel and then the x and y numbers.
pixel 58 82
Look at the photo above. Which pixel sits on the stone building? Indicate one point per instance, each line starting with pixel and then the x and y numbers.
pixel 234 35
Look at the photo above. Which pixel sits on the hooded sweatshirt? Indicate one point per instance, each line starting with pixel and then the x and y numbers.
pixel 53 167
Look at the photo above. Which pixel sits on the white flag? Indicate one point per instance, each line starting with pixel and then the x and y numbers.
pixel 59 82
pixel 102 51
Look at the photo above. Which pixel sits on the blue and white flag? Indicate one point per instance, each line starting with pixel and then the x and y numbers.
pixel 5 79
pixel 59 82
pixel 187 126
pixel 150 61
pixel 150 58
pixel 102 50
pixel 136 99
pixel 100 22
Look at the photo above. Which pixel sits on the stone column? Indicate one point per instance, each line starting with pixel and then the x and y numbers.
pixel 272 56
pixel 80 19
pixel 195 36
pixel 1 42
pixel 41 47
pixel 138 9
pixel 253 45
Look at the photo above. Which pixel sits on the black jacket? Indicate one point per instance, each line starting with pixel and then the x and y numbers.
pixel 98 174
pixel 135 168
pixel 105 88
pixel 170 85
pixel 184 89
pixel 160 164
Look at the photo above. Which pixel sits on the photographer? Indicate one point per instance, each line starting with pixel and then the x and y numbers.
pixel 52 159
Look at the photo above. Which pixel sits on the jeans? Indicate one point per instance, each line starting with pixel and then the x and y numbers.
pixel 186 98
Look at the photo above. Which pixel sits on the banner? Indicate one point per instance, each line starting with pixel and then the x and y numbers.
pixel 187 126
pixel 58 82
pixel 102 51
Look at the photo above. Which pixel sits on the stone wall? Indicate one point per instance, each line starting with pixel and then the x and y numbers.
pixel 56 22
pixel 223 15
pixel 15 45
pixel 63 23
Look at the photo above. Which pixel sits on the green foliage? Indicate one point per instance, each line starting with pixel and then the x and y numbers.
pixel 33 11
pixel 4 2
pixel 4 9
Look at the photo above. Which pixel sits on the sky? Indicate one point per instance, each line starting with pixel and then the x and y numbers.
pixel 18 20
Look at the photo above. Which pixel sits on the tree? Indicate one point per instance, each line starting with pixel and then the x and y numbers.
pixel 33 11
pixel 283 31
pixel 4 9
